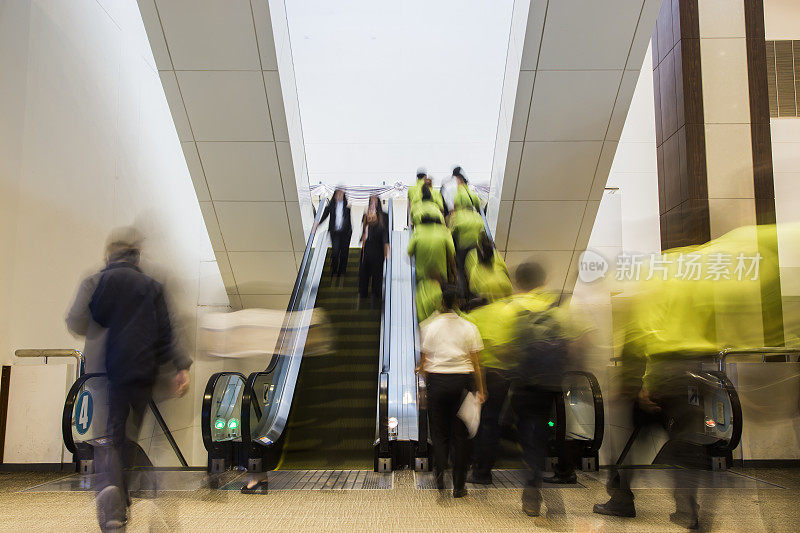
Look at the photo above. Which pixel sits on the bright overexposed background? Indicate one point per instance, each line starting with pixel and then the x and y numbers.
pixel 386 87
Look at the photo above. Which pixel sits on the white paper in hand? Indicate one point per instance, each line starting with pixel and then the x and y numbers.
pixel 470 413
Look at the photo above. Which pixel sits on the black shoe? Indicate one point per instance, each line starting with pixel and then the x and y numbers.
pixel 479 479
pixel 612 508
pixel 687 520
pixel 459 493
pixel 258 487
pixel 531 501
pixel 561 479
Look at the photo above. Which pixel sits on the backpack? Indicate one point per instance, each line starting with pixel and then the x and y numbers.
pixel 541 350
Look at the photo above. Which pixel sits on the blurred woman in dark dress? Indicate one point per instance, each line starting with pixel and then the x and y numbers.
pixel 374 249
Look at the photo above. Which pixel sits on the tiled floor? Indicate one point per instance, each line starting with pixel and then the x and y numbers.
pixel 767 500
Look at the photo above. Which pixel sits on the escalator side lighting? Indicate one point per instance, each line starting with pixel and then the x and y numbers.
pixel 392 423
pixel 551 424
pixel 710 423
pixel 219 424
pixel 233 424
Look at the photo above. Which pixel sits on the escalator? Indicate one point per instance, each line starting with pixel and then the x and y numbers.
pixel 322 401
pixel 331 425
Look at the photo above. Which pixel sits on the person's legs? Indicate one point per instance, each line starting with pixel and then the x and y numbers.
pixel 488 436
pixel 344 253
pixel 336 237
pixel 377 277
pixel 111 497
pixel 460 439
pixel 440 425
pixel 565 468
pixel 531 407
pixel 363 278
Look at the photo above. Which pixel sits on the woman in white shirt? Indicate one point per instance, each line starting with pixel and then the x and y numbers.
pixel 450 347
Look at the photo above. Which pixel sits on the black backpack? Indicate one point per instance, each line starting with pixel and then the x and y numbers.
pixel 541 350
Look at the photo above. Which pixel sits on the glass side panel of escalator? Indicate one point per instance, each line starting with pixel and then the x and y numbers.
pixel 579 407
pixel 226 408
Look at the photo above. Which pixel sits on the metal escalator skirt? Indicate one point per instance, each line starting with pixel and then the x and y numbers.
pixel 292 343
pixel 402 378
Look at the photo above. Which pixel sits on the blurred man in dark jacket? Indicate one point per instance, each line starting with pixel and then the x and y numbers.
pixel 131 307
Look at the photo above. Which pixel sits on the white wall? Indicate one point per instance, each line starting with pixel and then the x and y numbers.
pixel 87 144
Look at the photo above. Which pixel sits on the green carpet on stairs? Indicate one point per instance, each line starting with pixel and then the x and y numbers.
pixel 332 420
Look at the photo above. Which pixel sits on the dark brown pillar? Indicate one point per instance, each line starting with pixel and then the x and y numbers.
pixel 680 134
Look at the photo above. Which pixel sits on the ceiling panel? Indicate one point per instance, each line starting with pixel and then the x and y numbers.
pixel 572 105
pixel 266 40
pixel 545 225
pixel 173 94
pixel 533 34
pixel 287 171
pixel 254 226
pixel 241 171
pixel 557 170
pixel 226 105
pixel 152 25
pixel 276 109
pixel 622 104
pixel 226 272
pixel 196 171
pixel 522 105
pixel 599 34
pixel 249 268
pixel 603 169
pixel 212 226
pixel 210 34
pixel 512 171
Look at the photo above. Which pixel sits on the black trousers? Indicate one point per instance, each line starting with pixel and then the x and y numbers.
pixel 371 268
pixel 532 406
pixel 340 249
pixel 485 447
pixel 126 403
pixel 448 432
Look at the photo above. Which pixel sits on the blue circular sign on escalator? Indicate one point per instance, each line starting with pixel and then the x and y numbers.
pixel 84 408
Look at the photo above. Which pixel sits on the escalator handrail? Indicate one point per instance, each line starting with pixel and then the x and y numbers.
pixel 736 412
pixel 422 403
pixel 290 307
pixel 248 395
pixel 384 351
pixel 385 360
pixel 208 399
pixel 291 334
pixel 69 409
pixel 599 410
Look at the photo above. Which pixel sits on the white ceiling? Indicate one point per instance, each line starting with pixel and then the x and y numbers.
pixel 219 69
pixel 579 66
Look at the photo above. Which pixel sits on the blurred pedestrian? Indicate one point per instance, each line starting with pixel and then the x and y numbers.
pixel 449 359
pixel 431 246
pixel 374 249
pixel 341 229
pixel 415 191
pixel 464 194
pixel 466 226
pixel 133 309
pixel 486 272
pixel 426 207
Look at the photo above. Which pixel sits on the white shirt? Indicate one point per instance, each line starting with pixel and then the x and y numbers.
pixel 338 216
pixel 448 340
pixel 449 188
